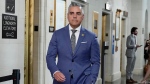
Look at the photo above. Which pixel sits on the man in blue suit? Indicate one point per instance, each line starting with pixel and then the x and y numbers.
pixel 77 50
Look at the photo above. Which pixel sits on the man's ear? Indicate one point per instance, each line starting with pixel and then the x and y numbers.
pixel 83 16
pixel 67 15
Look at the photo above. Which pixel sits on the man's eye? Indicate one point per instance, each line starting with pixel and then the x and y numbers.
pixel 78 13
pixel 71 13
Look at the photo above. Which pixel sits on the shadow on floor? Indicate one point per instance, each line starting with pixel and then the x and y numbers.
pixel 123 80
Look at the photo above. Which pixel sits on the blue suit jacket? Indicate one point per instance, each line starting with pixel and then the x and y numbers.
pixel 83 64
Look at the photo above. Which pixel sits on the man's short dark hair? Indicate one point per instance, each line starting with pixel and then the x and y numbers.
pixel 76 4
pixel 133 29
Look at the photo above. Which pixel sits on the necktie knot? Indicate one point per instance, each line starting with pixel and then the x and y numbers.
pixel 73 31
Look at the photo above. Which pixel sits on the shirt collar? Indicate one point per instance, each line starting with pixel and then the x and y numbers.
pixel 78 28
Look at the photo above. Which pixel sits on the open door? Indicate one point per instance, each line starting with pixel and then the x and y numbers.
pixel 122 43
pixel 123 46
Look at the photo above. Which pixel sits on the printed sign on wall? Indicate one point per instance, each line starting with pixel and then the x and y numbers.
pixel 10 6
pixel 9 26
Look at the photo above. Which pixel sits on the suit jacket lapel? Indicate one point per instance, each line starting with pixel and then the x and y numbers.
pixel 81 36
pixel 133 38
pixel 67 35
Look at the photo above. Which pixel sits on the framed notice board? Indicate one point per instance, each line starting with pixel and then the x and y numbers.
pixel 9 26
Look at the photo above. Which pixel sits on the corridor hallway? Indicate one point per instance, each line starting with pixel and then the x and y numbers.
pixel 35 21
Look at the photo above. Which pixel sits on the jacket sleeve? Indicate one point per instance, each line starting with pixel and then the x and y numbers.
pixel 95 59
pixel 128 43
pixel 51 55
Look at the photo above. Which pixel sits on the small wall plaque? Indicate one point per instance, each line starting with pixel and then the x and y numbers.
pixel 10 6
pixel 108 6
pixel 125 14
pixel 51 29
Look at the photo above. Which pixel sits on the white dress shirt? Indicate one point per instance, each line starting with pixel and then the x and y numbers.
pixel 135 39
pixel 76 33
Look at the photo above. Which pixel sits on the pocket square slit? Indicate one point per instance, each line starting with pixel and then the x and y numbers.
pixel 84 42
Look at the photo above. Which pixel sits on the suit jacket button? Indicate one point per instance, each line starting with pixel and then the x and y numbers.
pixel 72 60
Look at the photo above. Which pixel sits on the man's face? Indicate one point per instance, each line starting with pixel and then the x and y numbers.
pixel 148 42
pixel 75 16
pixel 136 32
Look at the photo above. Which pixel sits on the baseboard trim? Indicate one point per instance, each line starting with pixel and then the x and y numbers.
pixel 99 81
pixel 113 77
pixel 135 71
pixel 138 71
pixel 123 72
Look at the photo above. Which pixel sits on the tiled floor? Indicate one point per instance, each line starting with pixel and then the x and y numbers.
pixel 123 80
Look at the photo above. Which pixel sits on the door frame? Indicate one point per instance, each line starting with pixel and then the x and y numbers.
pixel 109 20
pixel 123 46
pixel 28 46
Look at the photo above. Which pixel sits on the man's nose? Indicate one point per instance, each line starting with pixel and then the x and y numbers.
pixel 74 15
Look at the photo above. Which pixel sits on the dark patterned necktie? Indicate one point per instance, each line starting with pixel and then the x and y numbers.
pixel 73 40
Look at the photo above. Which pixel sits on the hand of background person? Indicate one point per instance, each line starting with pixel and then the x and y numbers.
pixel 138 46
pixel 59 77
pixel 146 48
pixel 143 82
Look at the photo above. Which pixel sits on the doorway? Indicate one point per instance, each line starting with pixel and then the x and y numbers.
pixel 103 28
pixel 123 46
pixel 106 36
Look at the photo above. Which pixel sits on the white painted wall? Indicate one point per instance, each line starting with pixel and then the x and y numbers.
pixel 94 5
pixel 148 8
pixel 12 50
pixel 114 72
pixel 60 14
pixel 36 43
pixel 134 14
pixel 50 6
pixel 138 9
pixel 136 17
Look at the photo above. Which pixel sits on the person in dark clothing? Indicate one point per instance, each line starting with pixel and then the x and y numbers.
pixel 146 56
pixel 144 80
